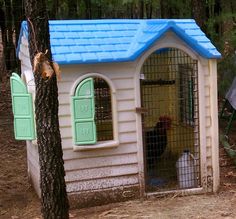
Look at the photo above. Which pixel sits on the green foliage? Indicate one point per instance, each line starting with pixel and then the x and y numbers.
pixel 218 20
pixel 217 25
pixel 182 8
pixel 226 74
pixel 220 27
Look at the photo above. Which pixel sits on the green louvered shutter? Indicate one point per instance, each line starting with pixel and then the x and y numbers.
pixel 22 107
pixel 83 109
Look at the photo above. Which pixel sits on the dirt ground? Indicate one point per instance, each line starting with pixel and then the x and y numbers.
pixel 18 200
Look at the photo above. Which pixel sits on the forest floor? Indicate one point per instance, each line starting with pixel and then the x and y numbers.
pixel 19 201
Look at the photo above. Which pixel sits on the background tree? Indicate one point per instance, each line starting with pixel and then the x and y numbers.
pixel 141 8
pixel 72 8
pixel 216 17
pixel 9 48
pixel 88 9
pixel 17 15
pixel 199 12
pixel 148 6
pixel 3 38
pixel 53 190
pixel 53 7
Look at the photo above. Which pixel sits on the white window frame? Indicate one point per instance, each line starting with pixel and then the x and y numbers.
pixel 100 144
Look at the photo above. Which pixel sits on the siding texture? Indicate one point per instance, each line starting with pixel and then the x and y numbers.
pixel 107 168
pixel 98 168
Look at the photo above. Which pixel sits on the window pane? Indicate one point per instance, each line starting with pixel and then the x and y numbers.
pixel 103 110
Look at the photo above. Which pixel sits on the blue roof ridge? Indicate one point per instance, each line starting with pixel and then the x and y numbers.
pixel 150 43
pixel 171 25
pixel 155 21
pixel 138 34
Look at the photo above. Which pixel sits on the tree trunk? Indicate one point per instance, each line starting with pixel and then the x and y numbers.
pixel 217 14
pixel 149 9
pixel 99 7
pixel 165 12
pixel 170 9
pixel 53 189
pixel 141 7
pixel 233 11
pixel 131 10
pixel 88 8
pixel 199 12
pixel 18 16
pixel 54 10
pixel 3 26
pixel 136 10
pixel 3 40
pixel 9 50
pixel 72 8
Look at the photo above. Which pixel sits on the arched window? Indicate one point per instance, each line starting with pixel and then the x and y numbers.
pixel 92 112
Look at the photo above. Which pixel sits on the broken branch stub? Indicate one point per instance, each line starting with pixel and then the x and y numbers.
pixel 45 67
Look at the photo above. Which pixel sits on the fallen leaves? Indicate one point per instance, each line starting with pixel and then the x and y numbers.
pixel 230 174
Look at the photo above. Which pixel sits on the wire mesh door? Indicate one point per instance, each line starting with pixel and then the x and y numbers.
pixel 103 110
pixel 169 94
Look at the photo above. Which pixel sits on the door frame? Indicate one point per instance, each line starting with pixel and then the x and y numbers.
pixel 170 40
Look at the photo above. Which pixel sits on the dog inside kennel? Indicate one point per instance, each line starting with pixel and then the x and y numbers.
pixel 169 95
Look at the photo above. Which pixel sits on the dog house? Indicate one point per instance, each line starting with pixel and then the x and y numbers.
pixel 137 108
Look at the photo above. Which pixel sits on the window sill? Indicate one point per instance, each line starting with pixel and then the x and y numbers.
pixel 99 145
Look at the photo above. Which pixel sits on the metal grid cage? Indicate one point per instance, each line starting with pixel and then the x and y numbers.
pixel 169 92
pixel 103 110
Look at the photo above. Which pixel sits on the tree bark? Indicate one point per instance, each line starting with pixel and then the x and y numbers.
pixel 72 8
pixel 88 9
pixel 165 9
pixel 149 9
pixel 199 12
pixel 99 9
pixel 141 7
pixel 53 189
pixel 17 17
pixel 3 25
pixel 4 39
pixel 9 50
pixel 53 13
pixel 217 13
pixel 233 11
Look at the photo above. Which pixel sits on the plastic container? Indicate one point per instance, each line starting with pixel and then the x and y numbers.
pixel 186 174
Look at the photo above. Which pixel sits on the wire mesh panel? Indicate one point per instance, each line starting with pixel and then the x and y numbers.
pixel 169 94
pixel 103 110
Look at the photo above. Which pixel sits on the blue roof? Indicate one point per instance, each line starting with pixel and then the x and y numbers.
pixel 118 40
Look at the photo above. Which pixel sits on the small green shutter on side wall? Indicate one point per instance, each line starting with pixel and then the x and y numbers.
pixel 83 113
pixel 22 107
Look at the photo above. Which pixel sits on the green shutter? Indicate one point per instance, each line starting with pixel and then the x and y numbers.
pixel 22 107
pixel 83 109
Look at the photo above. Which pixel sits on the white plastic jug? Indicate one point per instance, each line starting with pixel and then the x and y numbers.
pixel 185 166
